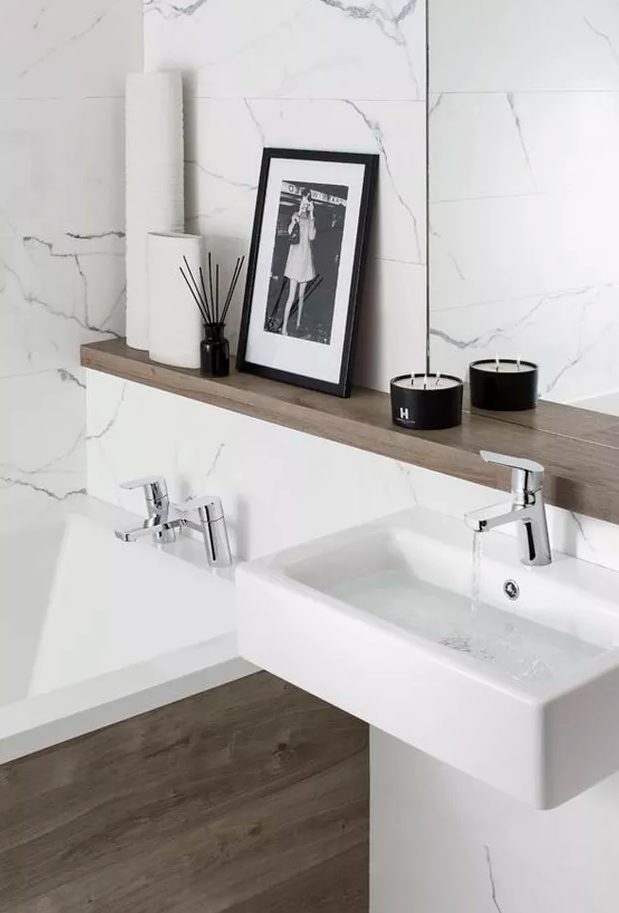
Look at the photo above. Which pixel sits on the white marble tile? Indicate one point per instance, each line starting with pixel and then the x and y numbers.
pixel 62 72
pixel 56 293
pixel 291 48
pixel 571 140
pixel 65 163
pixel 525 190
pixel 509 144
pixel 224 141
pixel 525 46
pixel 522 246
pixel 476 148
pixel 42 448
pixel 572 336
pixel 511 247
pixel 392 323
pixel 279 486
pixel 68 49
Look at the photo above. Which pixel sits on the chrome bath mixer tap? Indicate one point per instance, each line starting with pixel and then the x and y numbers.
pixel 202 514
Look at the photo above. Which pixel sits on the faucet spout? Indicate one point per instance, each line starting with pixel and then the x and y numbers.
pixel 160 529
pixel 488 518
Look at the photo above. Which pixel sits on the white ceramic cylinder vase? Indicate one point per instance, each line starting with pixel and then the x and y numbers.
pixel 175 322
pixel 154 181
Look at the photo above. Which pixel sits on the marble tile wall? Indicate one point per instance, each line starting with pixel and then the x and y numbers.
pixel 314 74
pixel 279 486
pixel 524 212
pixel 62 69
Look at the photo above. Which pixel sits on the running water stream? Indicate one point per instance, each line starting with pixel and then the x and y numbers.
pixel 478 550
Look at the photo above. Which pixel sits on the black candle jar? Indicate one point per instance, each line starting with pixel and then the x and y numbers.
pixel 426 401
pixel 503 385
pixel 214 351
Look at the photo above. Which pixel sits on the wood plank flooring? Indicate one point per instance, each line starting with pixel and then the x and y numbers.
pixel 250 798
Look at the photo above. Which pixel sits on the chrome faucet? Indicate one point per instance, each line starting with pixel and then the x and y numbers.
pixel 203 514
pixel 527 509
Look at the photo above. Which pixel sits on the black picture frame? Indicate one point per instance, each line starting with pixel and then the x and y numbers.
pixel 342 387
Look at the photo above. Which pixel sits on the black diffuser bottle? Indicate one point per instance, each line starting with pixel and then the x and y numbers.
pixel 214 348
pixel 214 351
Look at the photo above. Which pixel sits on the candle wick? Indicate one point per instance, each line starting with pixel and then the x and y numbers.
pixel 412 380
pixel 518 362
pixel 438 377
pixel 425 381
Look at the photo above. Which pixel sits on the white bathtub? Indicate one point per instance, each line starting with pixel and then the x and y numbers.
pixel 93 630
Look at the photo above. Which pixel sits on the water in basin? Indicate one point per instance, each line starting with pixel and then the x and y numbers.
pixel 513 645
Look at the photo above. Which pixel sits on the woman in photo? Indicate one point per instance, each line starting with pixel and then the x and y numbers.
pixel 300 263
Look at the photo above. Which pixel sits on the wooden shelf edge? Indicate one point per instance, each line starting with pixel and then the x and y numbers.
pixel 582 474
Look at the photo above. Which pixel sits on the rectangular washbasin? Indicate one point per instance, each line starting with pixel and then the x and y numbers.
pixel 518 687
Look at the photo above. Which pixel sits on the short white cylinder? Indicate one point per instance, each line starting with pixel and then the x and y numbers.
pixel 175 323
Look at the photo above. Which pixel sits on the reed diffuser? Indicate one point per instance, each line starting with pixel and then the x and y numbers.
pixel 214 348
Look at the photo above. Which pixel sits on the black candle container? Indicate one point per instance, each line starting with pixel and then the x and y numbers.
pixel 504 385
pixel 426 402
pixel 214 351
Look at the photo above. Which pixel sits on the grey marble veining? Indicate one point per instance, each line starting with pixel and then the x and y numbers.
pixel 62 70
pixel 524 140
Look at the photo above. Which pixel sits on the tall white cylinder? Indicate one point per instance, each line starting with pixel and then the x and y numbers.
pixel 154 181
pixel 175 323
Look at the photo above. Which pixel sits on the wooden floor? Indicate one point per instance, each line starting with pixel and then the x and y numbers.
pixel 250 798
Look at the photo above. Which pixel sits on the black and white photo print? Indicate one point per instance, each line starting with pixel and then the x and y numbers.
pixel 305 266
pixel 306 258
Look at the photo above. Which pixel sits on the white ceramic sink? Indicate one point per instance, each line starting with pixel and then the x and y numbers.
pixel 378 620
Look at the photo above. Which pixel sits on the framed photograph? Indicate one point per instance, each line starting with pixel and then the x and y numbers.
pixel 305 267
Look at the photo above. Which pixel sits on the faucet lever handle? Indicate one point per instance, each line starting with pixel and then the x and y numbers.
pixel 209 507
pixel 155 489
pixel 527 475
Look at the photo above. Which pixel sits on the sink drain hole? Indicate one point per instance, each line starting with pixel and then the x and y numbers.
pixel 511 589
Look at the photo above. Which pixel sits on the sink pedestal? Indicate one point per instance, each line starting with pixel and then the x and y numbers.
pixel 442 842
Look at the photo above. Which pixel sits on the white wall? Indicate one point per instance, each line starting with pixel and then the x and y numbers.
pixel 326 74
pixel 524 145
pixel 62 68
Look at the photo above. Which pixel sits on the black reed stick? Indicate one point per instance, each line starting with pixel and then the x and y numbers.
pixel 235 278
pixel 196 298
pixel 206 309
pixel 209 307
pixel 210 275
pixel 230 291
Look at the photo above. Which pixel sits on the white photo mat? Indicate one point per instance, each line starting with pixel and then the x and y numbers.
pixel 288 353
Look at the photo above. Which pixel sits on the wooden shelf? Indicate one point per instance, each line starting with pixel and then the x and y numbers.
pixel 579 448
